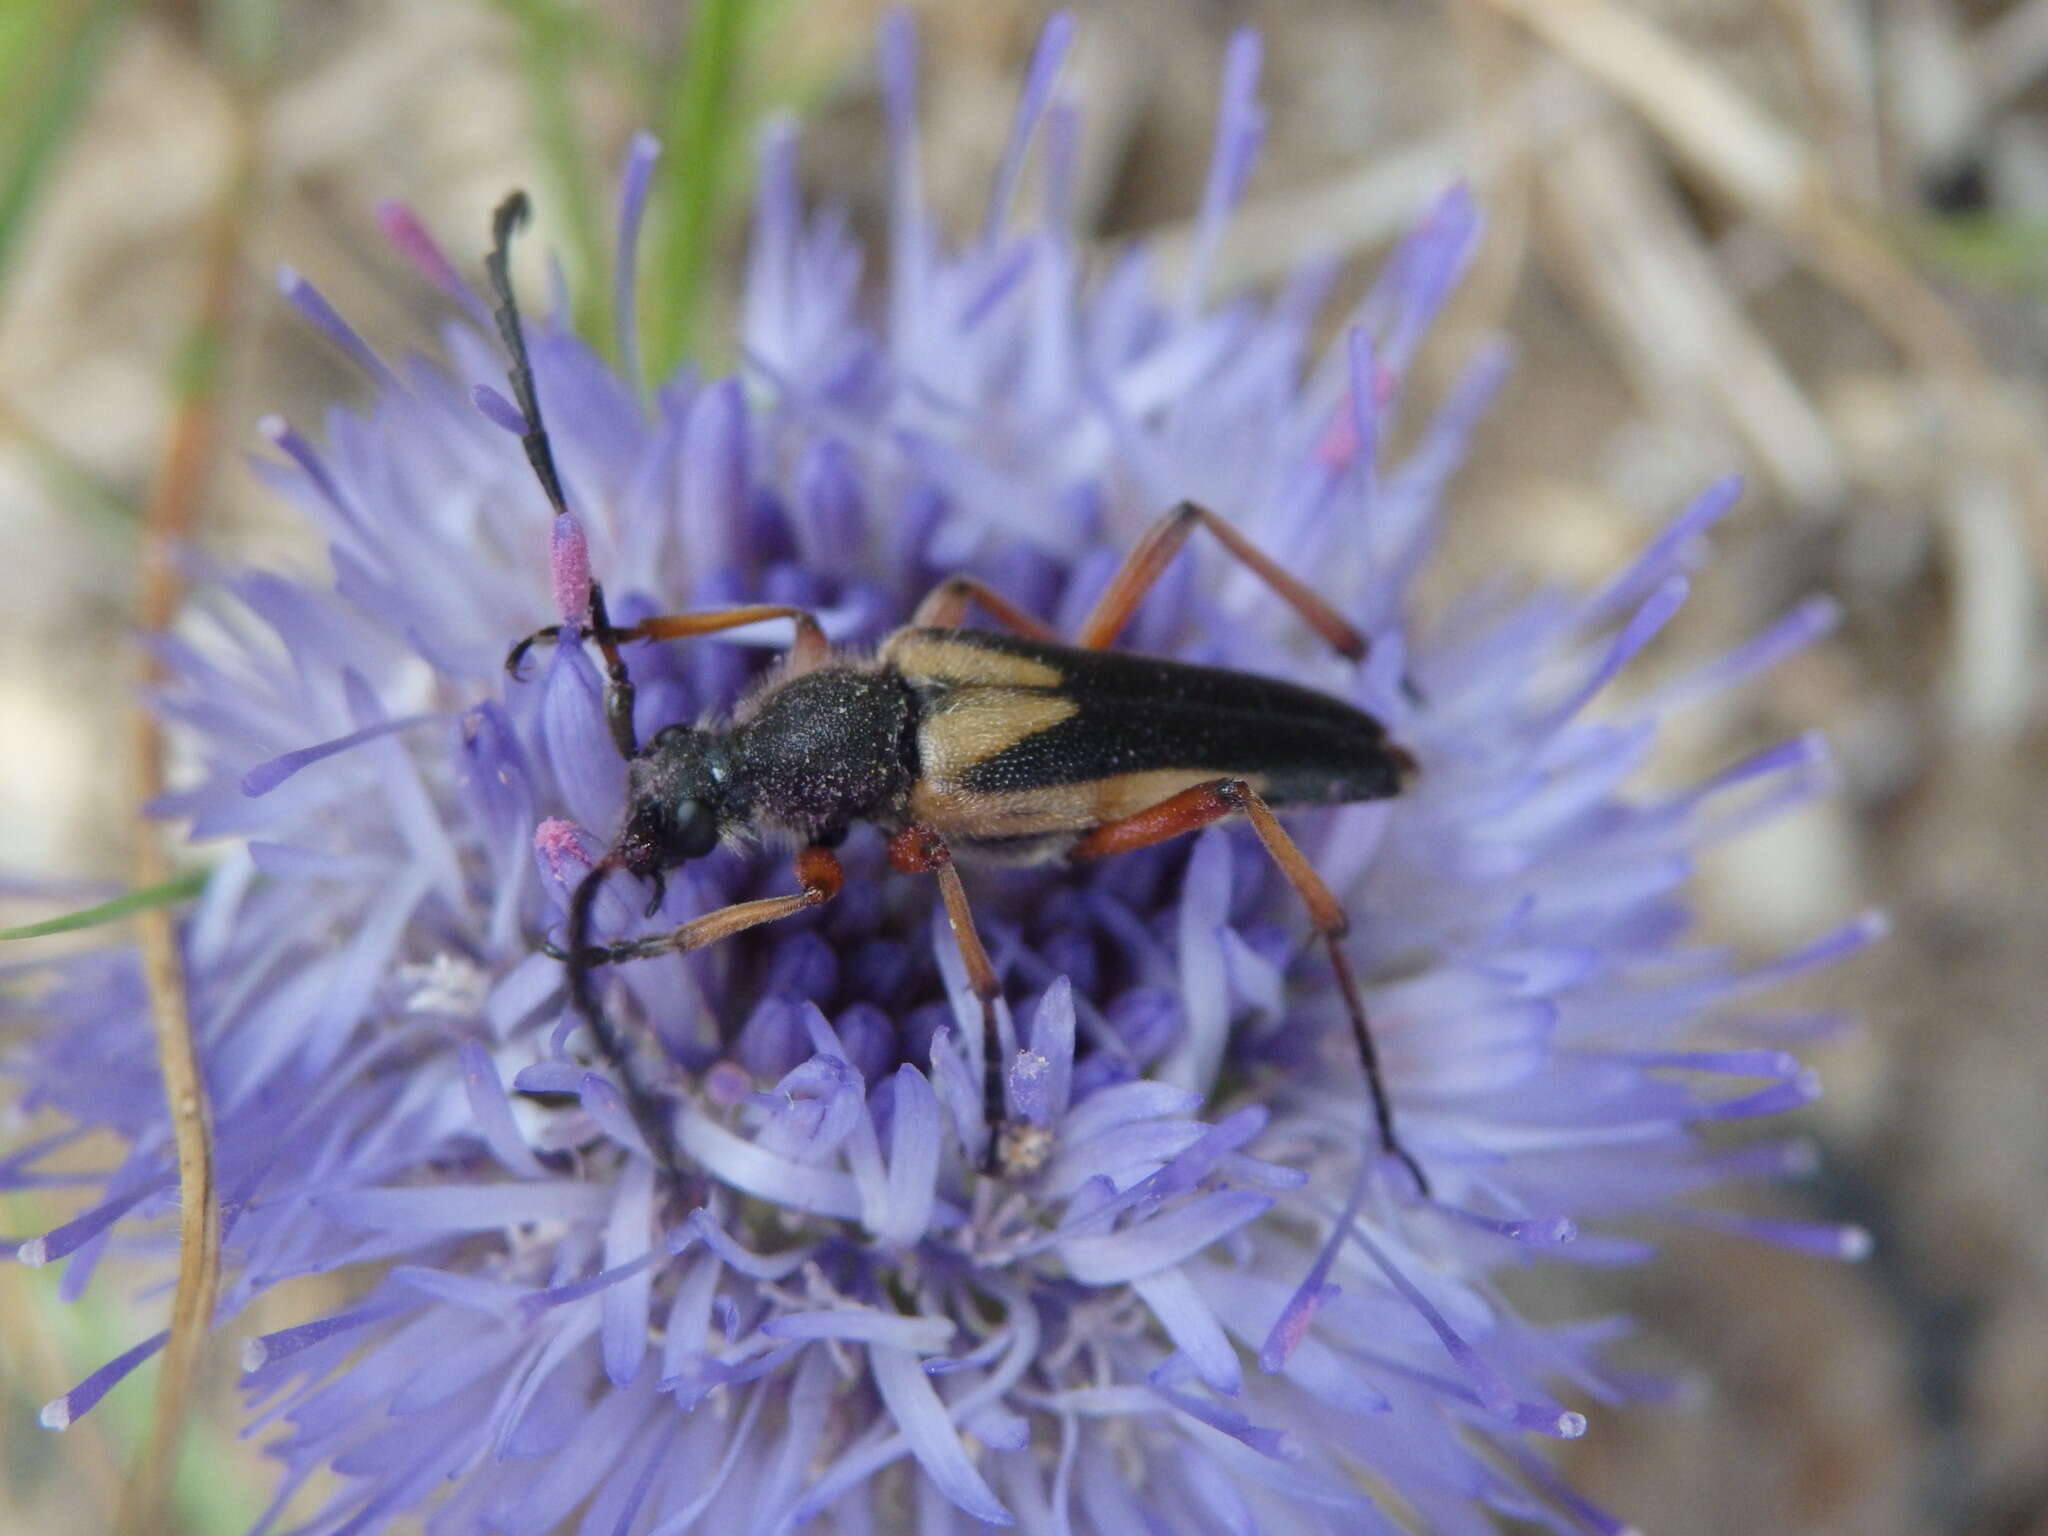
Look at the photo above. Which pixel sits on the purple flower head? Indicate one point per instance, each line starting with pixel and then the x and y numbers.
pixel 1214 1306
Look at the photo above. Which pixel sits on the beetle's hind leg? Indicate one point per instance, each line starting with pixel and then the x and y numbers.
pixel 1153 553
pixel 1205 804
pixel 947 605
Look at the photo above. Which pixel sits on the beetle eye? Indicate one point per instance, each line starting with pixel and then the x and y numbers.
pixel 695 829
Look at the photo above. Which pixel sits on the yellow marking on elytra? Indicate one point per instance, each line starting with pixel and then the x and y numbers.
pixel 931 656
pixel 987 701
pixel 964 730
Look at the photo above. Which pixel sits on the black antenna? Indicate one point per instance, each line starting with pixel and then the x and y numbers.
pixel 540 453
pixel 510 217
pixel 653 1126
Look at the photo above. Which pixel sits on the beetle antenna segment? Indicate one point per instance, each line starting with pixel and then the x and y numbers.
pixel 540 453
pixel 648 1117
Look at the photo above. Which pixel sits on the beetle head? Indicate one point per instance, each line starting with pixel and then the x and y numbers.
pixel 679 802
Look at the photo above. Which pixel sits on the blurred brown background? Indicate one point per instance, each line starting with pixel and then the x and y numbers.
pixel 1802 238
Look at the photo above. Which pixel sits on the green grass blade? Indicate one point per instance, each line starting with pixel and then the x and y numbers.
pixel 2000 252
pixel 72 481
pixel 243 36
pixel 69 68
pixel 169 893
pixel 555 38
pixel 701 133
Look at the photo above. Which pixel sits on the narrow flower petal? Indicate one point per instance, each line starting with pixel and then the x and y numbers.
pixel 1053 42
pixel 1192 1327
pixel 481 1208
pixel 747 1167
pixel 411 237
pixel 641 156
pixel 63 1412
pixel 493 1112
pixel 1240 129
pixel 311 303
pixel 498 410
pixel 1150 1246
pixel 266 776
pixel 865 1325
pixel 914 1152
pixel 934 1441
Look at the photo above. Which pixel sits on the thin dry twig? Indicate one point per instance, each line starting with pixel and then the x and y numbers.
pixel 1766 172
pixel 1755 163
pixel 2010 53
pixel 1640 269
pixel 1831 47
pixel 1271 236
pixel 169 519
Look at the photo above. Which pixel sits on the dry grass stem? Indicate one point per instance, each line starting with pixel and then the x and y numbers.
pixel 1639 269
pixel 2011 52
pixel 1497 60
pixel 1767 173
pixel 1934 110
pixel 1756 164
pixel 1270 237
pixel 169 520
pixel 1991 668
pixel 1831 44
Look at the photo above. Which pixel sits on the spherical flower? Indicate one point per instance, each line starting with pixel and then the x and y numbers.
pixel 1216 1305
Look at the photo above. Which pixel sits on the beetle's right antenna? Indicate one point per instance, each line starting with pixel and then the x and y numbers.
pixel 653 1125
pixel 540 453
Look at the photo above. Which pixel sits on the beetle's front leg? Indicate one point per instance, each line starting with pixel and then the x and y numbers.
pixel 1012 1148
pixel 818 879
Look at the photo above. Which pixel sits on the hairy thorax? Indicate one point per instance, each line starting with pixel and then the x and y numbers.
pixel 817 752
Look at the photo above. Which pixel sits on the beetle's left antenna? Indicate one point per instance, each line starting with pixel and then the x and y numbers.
pixel 653 1126
pixel 510 217
pixel 540 453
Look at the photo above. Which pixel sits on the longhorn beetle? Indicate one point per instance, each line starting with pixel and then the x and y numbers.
pixel 963 743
